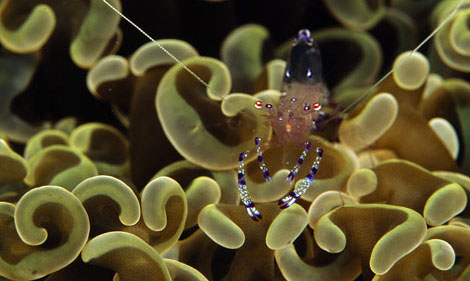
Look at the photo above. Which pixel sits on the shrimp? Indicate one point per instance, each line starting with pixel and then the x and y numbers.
pixel 298 112
pixel 293 119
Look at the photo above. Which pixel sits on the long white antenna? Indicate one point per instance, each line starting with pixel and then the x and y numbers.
pixel 376 84
pixel 161 47
pixel 353 104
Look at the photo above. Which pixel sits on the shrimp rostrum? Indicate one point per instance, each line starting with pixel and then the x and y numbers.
pixel 293 119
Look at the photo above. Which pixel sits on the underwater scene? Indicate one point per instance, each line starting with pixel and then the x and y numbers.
pixel 235 140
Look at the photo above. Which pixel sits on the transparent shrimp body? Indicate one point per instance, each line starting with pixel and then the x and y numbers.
pixel 302 93
pixel 293 119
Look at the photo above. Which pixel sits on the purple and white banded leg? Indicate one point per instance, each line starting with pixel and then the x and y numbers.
pixel 244 194
pixel 304 185
pixel 261 163
pixel 296 168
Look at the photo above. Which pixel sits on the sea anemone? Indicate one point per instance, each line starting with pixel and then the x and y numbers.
pixel 119 162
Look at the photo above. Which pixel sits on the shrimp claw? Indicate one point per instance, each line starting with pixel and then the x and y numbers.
pixel 304 185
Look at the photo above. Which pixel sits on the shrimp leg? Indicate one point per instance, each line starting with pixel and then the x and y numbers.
pixel 296 168
pixel 304 185
pixel 262 165
pixel 244 195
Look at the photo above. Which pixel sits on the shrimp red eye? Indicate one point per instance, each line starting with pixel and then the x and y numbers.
pixel 258 104
pixel 316 106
